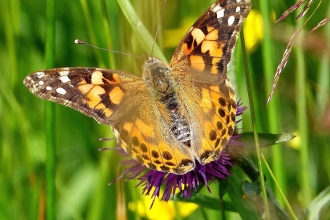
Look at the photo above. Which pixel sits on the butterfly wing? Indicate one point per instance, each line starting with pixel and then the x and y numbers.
pixel 98 93
pixel 207 46
pixel 144 134
pixel 200 62
pixel 122 101
pixel 212 118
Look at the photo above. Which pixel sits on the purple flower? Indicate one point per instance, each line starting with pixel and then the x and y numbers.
pixel 153 180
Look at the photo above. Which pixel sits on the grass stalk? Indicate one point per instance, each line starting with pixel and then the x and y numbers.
pixel 255 130
pixel 50 115
pixel 302 121
pixel 145 38
pixel 93 39
pixel 273 112
pixel 279 189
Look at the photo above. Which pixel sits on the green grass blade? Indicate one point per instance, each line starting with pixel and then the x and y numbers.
pixel 273 113
pixel 145 38
pixel 320 202
pixel 50 116
pixel 92 34
pixel 293 216
pixel 255 130
pixel 301 100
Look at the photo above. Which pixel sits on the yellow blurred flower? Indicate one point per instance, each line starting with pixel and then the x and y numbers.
pixel 253 30
pixel 296 142
pixel 161 210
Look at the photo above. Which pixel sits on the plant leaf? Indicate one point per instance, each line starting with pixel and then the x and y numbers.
pixel 320 201
pixel 264 139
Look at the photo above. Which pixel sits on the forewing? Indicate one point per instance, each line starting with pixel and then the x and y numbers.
pixel 99 93
pixel 207 47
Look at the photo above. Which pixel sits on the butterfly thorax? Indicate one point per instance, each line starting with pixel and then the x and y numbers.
pixel 159 80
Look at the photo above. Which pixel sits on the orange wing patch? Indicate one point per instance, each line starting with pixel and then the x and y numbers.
pixel 213 48
pixel 197 62
pixel 97 77
pixel 116 95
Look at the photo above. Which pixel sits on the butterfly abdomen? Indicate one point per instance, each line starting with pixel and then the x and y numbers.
pixel 178 123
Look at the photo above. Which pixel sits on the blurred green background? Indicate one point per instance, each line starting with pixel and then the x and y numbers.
pixel 301 105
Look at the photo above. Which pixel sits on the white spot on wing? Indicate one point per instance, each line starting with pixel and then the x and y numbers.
pixel 198 35
pixel 40 74
pixel 216 8
pixel 238 9
pixel 238 1
pixel 231 20
pixel 48 88
pixel 64 79
pixel 28 80
pixel 61 91
pixel 41 82
pixel 64 73
pixel 220 11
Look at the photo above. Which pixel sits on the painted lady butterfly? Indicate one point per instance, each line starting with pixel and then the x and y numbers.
pixel 175 113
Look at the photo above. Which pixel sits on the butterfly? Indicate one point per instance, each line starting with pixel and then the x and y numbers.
pixel 176 114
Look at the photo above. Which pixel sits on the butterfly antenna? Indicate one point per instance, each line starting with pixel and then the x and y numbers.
pixel 77 41
pixel 107 139
pixel 158 28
